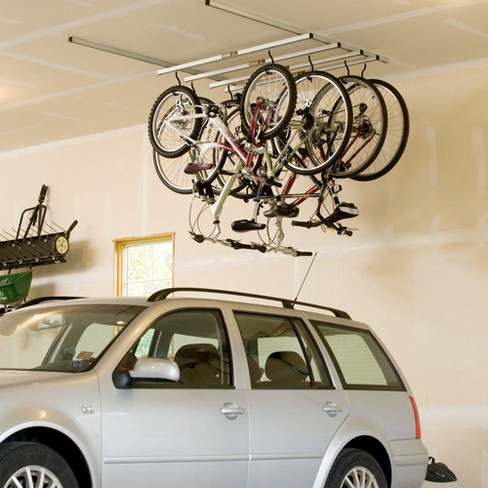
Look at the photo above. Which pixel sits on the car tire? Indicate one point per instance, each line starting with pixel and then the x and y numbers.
pixel 354 468
pixel 28 463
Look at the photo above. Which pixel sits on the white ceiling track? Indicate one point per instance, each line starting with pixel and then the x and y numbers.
pixel 300 52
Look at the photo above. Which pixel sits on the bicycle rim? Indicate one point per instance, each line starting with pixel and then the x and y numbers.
pixel 171 171
pixel 324 119
pixel 174 121
pixel 369 128
pixel 273 84
pixel 396 135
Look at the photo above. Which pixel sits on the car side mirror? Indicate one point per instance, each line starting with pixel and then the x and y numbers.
pixel 146 369
pixel 155 369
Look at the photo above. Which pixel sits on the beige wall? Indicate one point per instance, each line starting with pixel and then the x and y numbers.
pixel 416 269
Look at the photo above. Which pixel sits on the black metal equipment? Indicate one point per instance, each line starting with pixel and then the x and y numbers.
pixel 31 247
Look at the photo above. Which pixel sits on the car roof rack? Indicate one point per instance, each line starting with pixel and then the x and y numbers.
pixel 286 303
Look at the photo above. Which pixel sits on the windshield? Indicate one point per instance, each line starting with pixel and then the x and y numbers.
pixel 62 338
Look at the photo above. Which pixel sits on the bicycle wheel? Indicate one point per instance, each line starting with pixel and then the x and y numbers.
pixel 369 128
pixel 396 134
pixel 171 171
pixel 175 121
pixel 268 101
pixel 323 120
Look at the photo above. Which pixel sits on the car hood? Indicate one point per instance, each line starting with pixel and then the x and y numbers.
pixel 19 377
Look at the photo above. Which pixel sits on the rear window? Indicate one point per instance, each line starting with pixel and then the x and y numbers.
pixel 360 360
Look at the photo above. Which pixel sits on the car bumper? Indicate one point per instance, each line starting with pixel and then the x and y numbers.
pixel 410 458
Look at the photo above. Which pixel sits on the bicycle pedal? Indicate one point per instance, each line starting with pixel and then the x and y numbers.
pixel 245 225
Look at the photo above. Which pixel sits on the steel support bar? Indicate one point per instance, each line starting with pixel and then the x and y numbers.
pixel 117 51
pixel 304 52
pixel 234 54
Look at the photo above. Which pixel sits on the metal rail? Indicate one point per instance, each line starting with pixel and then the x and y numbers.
pixel 286 303
pixel 346 54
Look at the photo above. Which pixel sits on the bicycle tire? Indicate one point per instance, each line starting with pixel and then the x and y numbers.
pixel 396 135
pixel 171 170
pixel 370 125
pixel 275 85
pixel 166 138
pixel 324 118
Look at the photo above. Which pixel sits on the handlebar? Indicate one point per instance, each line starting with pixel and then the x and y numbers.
pixel 241 245
pixel 306 223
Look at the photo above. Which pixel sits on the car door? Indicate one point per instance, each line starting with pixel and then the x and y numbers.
pixel 293 407
pixel 192 432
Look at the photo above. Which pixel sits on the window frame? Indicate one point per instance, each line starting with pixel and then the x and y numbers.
pixel 384 361
pixel 122 243
pixel 306 342
pixel 226 352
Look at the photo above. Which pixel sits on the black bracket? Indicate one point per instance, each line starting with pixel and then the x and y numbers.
pixel 31 247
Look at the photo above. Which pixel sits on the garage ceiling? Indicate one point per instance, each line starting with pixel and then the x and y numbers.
pixel 52 89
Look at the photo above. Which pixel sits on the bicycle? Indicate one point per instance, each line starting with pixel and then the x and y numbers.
pixel 396 134
pixel 250 160
pixel 177 117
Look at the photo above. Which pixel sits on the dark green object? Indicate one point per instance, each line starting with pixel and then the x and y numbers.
pixel 14 287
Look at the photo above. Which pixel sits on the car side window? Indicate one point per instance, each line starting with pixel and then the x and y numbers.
pixel 360 360
pixel 280 353
pixel 196 341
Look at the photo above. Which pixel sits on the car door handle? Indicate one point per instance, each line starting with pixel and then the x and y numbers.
pixel 231 410
pixel 331 408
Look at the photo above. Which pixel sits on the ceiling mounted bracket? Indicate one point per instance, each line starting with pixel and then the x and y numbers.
pixel 346 52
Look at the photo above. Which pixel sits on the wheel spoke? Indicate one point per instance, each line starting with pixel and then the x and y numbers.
pixel 33 477
pixel 15 481
pixel 359 477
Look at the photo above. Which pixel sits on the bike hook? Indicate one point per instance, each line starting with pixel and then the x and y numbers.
pixel 178 78
pixel 363 71
pixel 271 56
pixel 310 62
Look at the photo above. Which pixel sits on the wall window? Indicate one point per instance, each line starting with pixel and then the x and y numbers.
pixel 143 264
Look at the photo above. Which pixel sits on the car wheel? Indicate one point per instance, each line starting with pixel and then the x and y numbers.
pixel 32 464
pixel 354 468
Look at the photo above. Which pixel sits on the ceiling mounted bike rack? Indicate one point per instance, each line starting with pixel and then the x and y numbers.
pixel 301 51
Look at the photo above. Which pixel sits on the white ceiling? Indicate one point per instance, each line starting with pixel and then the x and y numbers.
pixel 53 89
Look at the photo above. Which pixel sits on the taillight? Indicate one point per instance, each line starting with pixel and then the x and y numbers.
pixel 418 430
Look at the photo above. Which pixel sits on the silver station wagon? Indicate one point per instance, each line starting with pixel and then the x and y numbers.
pixel 186 389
